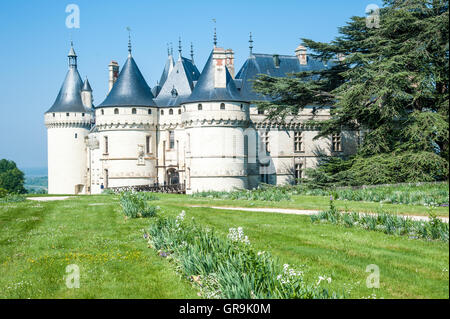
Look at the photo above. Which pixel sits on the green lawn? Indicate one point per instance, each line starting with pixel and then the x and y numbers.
pixel 38 240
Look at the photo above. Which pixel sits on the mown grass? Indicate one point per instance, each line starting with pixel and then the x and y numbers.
pixel 39 239
pixel 310 203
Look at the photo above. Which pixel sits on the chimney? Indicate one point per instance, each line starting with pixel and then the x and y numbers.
pixel 300 52
pixel 230 61
pixel 276 60
pixel 219 62
pixel 113 74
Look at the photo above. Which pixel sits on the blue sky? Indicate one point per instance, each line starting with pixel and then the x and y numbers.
pixel 34 42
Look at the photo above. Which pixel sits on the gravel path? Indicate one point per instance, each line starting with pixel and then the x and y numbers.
pixel 302 212
pixel 48 199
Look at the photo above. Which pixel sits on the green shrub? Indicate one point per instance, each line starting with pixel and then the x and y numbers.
pixel 134 205
pixel 12 198
pixel 3 192
pixel 227 267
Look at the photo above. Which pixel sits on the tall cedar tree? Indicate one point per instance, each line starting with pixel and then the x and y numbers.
pixel 389 82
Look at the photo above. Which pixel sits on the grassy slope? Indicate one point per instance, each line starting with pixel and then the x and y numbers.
pixel 408 268
pixel 313 203
pixel 39 240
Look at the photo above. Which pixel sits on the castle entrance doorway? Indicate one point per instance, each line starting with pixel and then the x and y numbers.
pixel 173 177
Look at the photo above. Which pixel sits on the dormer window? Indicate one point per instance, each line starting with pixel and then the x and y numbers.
pixel 116 111
pixel 174 92
pixel 200 107
pixel 133 111
pixel 222 106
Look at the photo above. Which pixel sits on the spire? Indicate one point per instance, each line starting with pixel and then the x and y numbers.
pixel 72 56
pixel 179 47
pixel 251 44
pixel 86 86
pixel 129 42
pixel 192 53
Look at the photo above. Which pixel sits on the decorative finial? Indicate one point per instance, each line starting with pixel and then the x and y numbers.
pixel 251 44
pixel 171 48
pixel 179 46
pixel 192 53
pixel 215 33
pixel 168 49
pixel 129 41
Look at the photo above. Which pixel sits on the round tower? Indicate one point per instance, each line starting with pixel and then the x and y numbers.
pixel 216 118
pixel 68 123
pixel 126 124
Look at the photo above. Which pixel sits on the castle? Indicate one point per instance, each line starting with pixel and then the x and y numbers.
pixel 195 129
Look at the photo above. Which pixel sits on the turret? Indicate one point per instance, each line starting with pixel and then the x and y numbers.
pixel 215 118
pixel 86 94
pixel 68 122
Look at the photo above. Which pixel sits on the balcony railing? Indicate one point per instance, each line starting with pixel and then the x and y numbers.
pixel 154 188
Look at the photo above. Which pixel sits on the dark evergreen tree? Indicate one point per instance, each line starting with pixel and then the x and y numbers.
pixel 389 82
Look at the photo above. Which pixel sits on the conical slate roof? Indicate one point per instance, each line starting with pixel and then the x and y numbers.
pixel 167 70
pixel 69 97
pixel 130 89
pixel 205 91
pixel 179 85
pixel 86 86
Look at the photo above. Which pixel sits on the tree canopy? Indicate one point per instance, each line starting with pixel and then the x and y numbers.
pixel 11 178
pixel 390 82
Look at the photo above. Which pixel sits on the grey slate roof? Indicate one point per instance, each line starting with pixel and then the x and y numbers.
pixel 264 64
pixel 205 91
pixel 69 97
pixel 130 89
pixel 86 86
pixel 179 84
pixel 167 69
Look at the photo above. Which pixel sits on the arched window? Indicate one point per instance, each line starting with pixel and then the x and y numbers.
pixel 179 111
pixel 200 107
pixel 171 112
pixel 149 111
pixel 222 106
pixel 162 112
pixel 82 114
pixel 116 111
pixel 103 112
pixel 133 111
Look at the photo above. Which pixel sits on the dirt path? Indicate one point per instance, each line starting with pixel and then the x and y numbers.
pixel 302 212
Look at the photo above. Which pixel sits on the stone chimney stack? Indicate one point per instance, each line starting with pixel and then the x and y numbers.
pixel 113 73
pixel 230 61
pixel 219 62
pixel 300 52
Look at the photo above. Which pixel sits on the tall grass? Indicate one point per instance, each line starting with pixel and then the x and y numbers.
pixel 433 229
pixel 227 267
pixel 430 194
pixel 262 193
pixel 135 205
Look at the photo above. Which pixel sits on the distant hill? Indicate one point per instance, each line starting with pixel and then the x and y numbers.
pixel 36 180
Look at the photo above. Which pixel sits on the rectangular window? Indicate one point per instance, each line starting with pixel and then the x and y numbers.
pixel 336 145
pixel 298 142
pixel 106 150
pixel 148 145
pixel 171 140
pixel 298 172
